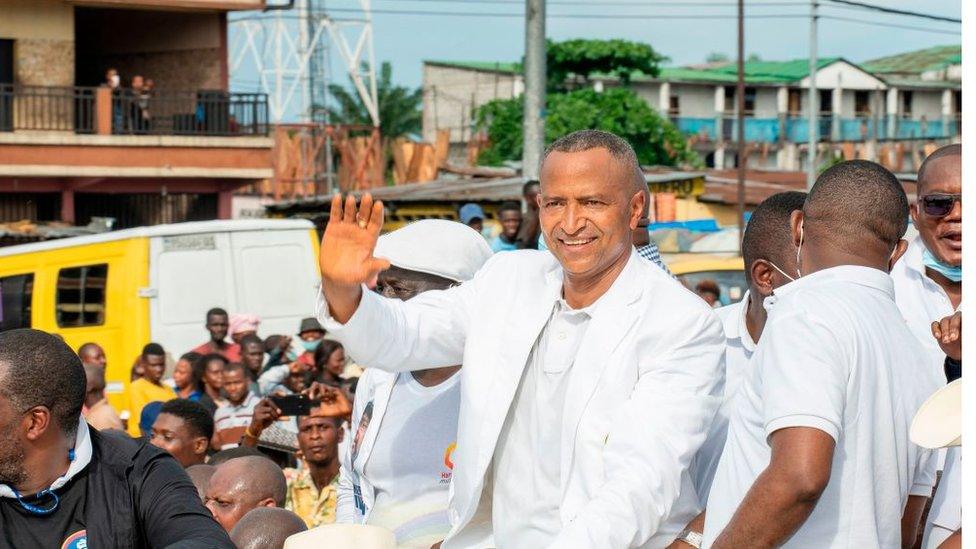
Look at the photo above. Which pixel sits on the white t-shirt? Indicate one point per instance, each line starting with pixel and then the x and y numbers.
pixel 739 347
pixel 921 301
pixel 410 463
pixel 833 357
pixel 527 490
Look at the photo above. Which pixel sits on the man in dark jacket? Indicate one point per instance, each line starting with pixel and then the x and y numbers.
pixel 65 485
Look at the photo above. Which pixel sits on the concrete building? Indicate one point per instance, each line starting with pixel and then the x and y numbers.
pixel 909 99
pixel 73 148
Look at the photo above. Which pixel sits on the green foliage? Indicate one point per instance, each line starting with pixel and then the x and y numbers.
pixel 399 107
pixel 616 110
pixel 716 57
pixel 582 57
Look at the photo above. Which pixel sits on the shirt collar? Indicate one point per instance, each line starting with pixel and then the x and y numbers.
pixel 913 257
pixel 83 455
pixel 735 326
pixel 864 276
pixel 624 290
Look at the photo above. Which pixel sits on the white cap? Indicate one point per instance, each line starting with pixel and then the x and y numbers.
pixel 938 422
pixel 447 249
pixel 360 536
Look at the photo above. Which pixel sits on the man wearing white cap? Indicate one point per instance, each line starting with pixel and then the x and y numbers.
pixel 589 376
pixel 397 468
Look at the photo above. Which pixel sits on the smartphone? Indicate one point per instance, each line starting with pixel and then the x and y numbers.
pixel 294 405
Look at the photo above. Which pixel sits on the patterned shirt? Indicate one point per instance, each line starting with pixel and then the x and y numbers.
pixel 651 253
pixel 314 507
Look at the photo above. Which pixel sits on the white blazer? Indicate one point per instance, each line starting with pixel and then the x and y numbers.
pixel 645 386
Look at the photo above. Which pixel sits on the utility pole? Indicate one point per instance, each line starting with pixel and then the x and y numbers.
pixel 813 116
pixel 740 94
pixel 533 124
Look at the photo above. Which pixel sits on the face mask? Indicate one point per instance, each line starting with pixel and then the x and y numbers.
pixel 952 273
pixel 775 266
pixel 310 346
pixel 798 248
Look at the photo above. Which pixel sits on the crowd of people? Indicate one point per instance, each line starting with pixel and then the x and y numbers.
pixel 447 395
pixel 130 106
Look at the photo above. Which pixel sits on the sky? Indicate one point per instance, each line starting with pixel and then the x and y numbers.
pixel 682 30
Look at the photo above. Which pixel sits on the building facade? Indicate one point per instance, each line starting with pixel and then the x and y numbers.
pixel 877 107
pixel 169 142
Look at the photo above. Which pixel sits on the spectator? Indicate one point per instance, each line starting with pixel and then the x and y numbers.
pixel 405 424
pixel 148 417
pixel 242 484
pixel 183 428
pixel 529 232
pixel 310 336
pixel 92 353
pixel 97 411
pixel 330 365
pixel 137 106
pixel 242 325
pixel 710 292
pixel 187 380
pixel 312 488
pixel 217 325
pixel 231 419
pixel 285 379
pixel 510 217
pixel 646 247
pixel 112 79
pixel 200 477
pixel 473 216
pixel 149 388
pixel 266 528
pixel 277 348
pixel 252 356
pixel 42 390
pixel 211 369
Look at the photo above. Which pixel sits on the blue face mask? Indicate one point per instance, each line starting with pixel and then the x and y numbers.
pixel 952 273
pixel 310 346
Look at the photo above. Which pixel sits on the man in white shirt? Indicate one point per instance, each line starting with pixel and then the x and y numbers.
pixel 818 453
pixel 769 256
pixel 396 470
pixel 589 375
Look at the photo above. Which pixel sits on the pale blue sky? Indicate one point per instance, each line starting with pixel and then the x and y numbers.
pixel 407 40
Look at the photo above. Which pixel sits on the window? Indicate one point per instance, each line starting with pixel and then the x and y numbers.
pixel 674 106
pixel 15 301
pixel 826 101
pixel 750 100
pixel 81 296
pixel 862 103
pixel 794 102
pixel 906 103
pixel 957 101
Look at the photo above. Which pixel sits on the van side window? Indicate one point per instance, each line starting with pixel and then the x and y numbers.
pixel 15 301
pixel 81 296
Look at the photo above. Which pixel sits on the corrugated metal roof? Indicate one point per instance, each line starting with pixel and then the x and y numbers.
pixel 916 62
pixel 489 66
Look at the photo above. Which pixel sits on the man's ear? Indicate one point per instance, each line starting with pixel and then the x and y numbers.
pixel 637 203
pixel 762 276
pixel 796 224
pixel 900 250
pixel 36 422
pixel 200 445
pixel 267 502
pixel 913 212
pixel 341 436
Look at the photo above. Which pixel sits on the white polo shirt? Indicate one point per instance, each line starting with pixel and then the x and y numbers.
pixel 833 357
pixel 921 301
pixel 739 347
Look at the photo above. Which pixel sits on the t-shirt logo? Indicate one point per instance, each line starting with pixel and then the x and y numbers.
pixel 448 453
pixel 78 540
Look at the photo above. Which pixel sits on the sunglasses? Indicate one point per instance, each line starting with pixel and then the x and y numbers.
pixel 939 205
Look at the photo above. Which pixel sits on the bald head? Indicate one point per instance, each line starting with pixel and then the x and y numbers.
pixel 242 484
pixel 200 477
pixel 859 207
pixel 92 353
pixel 266 528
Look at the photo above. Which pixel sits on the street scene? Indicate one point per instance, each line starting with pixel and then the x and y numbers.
pixel 481 273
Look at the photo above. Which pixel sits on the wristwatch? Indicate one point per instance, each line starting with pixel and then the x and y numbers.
pixel 691 537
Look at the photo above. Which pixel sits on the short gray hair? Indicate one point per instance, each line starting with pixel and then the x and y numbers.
pixel 584 140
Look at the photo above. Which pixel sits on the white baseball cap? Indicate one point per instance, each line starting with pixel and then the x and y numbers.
pixel 360 536
pixel 447 249
pixel 938 422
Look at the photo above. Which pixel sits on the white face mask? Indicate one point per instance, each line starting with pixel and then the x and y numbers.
pixel 798 248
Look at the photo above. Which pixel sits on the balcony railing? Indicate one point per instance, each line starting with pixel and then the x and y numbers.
pixel 100 110
pixel 794 128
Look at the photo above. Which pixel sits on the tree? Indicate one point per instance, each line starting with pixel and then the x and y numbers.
pixel 399 107
pixel 618 110
pixel 582 58
pixel 753 57
pixel 717 57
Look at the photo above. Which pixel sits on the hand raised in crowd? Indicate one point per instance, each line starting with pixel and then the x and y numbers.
pixel 948 332
pixel 265 413
pixel 326 394
pixel 297 367
pixel 284 343
pixel 346 255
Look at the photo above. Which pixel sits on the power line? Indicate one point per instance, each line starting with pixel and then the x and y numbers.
pixel 696 16
pixel 896 11
pixel 890 25
pixel 639 3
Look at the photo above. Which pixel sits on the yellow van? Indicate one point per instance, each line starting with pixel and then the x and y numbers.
pixel 726 271
pixel 123 289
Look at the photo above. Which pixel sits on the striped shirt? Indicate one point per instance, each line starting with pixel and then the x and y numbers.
pixel 231 421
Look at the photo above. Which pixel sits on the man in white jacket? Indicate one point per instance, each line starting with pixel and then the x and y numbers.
pixel 589 377
pixel 396 470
